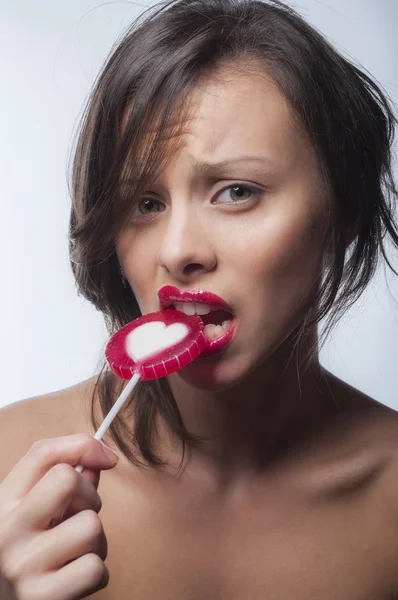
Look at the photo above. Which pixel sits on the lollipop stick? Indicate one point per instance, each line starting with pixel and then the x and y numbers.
pixel 113 412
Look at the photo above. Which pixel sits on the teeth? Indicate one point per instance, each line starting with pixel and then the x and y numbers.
pixel 202 309
pixel 212 331
pixel 186 307
pixel 191 308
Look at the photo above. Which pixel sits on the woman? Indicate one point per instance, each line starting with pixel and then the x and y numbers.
pixel 226 148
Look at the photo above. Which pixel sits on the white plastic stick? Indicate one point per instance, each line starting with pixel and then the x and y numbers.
pixel 113 412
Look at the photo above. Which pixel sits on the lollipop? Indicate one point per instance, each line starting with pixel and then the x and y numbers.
pixel 152 346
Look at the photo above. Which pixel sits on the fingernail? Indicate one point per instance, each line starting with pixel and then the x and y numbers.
pixel 111 456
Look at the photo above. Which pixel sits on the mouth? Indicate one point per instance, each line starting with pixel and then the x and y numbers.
pixel 217 316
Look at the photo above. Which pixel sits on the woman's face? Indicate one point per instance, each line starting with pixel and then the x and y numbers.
pixel 249 231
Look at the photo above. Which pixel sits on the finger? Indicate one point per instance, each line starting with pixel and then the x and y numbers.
pixel 80 578
pixel 61 487
pixel 44 454
pixel 81 534
pixel 79 503
pixel 53 549
pixel 92 476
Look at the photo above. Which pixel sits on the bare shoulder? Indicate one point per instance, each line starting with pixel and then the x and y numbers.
pixel 363 422
pixel 383 511
pixel 387 435
pixel 63 412
pixel 372 433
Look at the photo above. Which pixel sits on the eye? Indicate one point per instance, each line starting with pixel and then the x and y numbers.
pixel 147 206
pixel 238 193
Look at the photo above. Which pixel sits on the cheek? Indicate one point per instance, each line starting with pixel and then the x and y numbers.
pixel 295 250
pixel 280 258
pixel 137 260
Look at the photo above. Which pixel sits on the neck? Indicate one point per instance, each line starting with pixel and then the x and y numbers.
pixel 245 428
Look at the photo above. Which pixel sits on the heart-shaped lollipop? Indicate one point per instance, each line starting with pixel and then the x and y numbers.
pixel 152 346
pixel 153 337
pixel 155 344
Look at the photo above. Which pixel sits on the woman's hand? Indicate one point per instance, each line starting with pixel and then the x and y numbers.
pixel 43 557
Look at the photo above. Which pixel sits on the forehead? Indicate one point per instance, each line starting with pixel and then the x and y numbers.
pixel 235 112
pixel 241 113
pixel 248 97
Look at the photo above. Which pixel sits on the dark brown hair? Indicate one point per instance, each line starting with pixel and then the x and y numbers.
pixel 144 88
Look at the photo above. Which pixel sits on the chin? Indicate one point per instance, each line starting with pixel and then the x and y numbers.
pixel 214 374
pixel 230 368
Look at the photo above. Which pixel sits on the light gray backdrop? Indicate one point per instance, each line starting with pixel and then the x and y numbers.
pixel 50 54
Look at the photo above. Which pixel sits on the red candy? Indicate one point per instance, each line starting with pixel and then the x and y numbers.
pixel 156 344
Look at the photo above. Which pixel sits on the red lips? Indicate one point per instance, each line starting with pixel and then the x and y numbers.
pixel 168 295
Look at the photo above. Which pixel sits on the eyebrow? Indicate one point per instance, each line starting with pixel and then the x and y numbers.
pixel 203 167
pixel 200 167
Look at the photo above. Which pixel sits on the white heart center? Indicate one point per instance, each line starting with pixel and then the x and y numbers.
pixel 152 337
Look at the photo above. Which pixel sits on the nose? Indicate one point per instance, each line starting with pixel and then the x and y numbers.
pixel 187 250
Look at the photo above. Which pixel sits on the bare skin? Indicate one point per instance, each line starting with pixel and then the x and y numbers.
pixel 321 523
pixel 252 233
pixel 315 525
pixel 294 494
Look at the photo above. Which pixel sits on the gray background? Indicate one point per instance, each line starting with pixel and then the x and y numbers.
pixel 50 54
